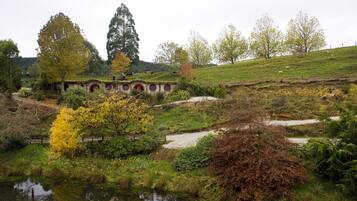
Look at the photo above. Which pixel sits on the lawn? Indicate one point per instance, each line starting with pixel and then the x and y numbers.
pixel 341 62
pixel 334 63
pixel 181 119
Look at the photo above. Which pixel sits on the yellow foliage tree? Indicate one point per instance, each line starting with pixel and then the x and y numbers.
pixel 121 63
pixel 64 136
pixel 115 115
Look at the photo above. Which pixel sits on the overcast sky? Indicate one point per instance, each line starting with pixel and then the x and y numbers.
pixel 158 21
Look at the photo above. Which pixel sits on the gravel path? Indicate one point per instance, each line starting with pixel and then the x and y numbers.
pixel 190 139
pixel 191 100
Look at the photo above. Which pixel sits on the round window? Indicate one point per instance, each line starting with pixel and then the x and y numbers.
pixel 152 87
pixel 167 87
pixel 125 87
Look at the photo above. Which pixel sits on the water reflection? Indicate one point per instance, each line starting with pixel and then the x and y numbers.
pixel 74 191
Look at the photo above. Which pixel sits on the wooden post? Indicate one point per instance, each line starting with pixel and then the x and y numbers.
pixel 33 194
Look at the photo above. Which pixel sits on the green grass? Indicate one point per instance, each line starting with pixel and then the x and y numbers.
pixel 183 119
pixel 318 190
pixel 341 62
pixel 334 63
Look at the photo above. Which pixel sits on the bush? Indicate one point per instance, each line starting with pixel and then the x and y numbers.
pixel 160 97
pixel 12 141
pixel 179 95
pixel 25 92
pixel 74 97
pixel 146 144
pixel 64 136
pixel 216 91
pixel 121 147
pixel 195 157
pixel 117 148
pixel 255 164
pixel 337 159
pixel 197 89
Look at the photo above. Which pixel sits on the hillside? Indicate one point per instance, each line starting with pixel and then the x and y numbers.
pixel 334 63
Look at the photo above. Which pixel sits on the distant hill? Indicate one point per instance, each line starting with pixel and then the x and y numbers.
pixel 144 66
pixel 25 62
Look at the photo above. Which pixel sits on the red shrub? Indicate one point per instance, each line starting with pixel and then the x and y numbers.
pixel 255 164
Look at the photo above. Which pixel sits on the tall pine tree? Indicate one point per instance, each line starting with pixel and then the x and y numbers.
pixel 122 36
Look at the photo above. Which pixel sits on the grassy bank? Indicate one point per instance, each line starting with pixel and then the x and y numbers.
pixel 153 171
pixel 334 63
pixel 294 101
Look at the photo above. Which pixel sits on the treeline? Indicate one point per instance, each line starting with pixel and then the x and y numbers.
pixel 266 40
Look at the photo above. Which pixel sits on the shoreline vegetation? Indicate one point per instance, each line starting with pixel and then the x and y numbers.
pixel 150 172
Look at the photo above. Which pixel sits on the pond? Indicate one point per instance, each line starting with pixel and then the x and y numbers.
pixel 45 190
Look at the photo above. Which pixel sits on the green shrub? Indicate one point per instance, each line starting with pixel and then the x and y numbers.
pixel 117 148
pixel 160 97
pixel 121 147
pixel 9 141
pixel 198 89
pixel 25 92
pixel 337 159
pixel 179 95
pixel 74 97
pixel 216 91
pixel 146 144
pixel 195 157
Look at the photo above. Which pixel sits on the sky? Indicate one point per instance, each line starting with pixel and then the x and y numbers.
pixel 159 21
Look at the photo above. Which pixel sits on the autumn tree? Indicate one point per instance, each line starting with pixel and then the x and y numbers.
pixel 120 64
pixel 266 40
pixel 198 49
pixel 116 115
pixel 231 45
pixel 61 52
pixel 122 36
pixel 187 71
pixel 64 136
pixel 304 34
pixel 10 74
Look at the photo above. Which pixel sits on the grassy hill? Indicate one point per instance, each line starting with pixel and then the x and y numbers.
pixel 334 63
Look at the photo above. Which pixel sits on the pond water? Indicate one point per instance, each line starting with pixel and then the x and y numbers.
pixel 74 191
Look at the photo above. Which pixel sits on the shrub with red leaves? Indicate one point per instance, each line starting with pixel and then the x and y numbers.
pixel 255 164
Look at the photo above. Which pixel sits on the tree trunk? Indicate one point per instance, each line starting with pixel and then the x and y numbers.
pixel 62 86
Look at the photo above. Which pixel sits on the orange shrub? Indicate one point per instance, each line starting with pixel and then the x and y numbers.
pixel 255 164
